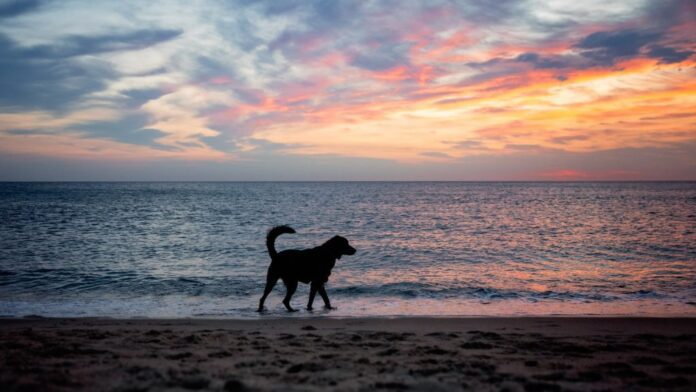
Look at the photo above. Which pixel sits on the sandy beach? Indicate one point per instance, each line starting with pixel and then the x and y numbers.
pixel 434 354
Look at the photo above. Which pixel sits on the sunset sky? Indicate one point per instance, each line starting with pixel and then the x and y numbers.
pixel 348 90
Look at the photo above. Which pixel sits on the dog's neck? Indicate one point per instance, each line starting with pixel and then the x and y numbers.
pixel 329 253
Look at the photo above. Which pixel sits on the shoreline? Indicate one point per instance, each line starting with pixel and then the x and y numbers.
pixel 326 316
pixel 318 353
pixel 295 316
pixel 169 309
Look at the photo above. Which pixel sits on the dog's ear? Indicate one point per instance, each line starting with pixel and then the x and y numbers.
pixel 339 248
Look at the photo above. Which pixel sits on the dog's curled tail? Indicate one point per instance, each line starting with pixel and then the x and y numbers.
pixel 273 234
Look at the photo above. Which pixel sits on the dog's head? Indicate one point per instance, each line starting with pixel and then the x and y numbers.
pixel 339 246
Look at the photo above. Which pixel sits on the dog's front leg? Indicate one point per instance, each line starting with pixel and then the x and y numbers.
pixel 312 292
pixel 325 297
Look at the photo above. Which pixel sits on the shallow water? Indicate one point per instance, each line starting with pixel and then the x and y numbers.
pixel 446 248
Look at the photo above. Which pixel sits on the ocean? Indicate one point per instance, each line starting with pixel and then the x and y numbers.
pixel 197 249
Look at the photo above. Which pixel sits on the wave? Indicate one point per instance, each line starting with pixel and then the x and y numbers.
pixel 51 282
pixel 46 281
pixel 417 290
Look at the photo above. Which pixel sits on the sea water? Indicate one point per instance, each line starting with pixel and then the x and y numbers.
pixel 189 249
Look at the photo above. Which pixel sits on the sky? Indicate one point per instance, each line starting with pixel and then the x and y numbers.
pixel 348 90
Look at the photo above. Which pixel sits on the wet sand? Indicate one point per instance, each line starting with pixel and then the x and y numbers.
pixel 434 354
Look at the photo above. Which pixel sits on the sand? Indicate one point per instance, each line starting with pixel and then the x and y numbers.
pixel 433 354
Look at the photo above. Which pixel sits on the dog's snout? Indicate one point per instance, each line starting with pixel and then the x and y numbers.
pixel 350 250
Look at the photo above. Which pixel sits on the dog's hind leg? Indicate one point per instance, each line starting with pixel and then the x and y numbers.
pixel 325 297
pixel 312 292
pixel 291 286
pixel 271 280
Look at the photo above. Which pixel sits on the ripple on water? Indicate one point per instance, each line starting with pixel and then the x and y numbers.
pixel 191 248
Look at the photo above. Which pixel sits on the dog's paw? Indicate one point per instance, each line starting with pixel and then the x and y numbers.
pixel 330 307
pixel 309 308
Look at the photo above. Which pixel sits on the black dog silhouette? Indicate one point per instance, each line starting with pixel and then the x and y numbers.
pixel 311 266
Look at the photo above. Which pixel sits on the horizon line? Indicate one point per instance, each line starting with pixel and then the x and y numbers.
pixel 328 181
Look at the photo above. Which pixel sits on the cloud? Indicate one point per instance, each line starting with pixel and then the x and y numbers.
pixel 435 154
pixel 550 62
pixel 137 97
pixel 382 58
pixel 48 76
pixel 569 138
pixel 669 116
pixel 673 162
pixel 11 8
pixel 470 146
pixel 668 55
pixel 524 147
pixel 385 80
pixel 41 131
pixel 130 129
pixel 598 49
pixel 84 45
pixel 30 81
pixel 607 47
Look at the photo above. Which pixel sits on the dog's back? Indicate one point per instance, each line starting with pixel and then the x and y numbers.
pixel 305 265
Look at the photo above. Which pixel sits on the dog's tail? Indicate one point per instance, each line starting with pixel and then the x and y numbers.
pixel 272 235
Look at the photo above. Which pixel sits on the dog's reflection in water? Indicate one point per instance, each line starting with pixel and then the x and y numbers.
pixel 311 266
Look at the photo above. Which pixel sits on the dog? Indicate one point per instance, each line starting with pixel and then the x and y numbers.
pixel 311 266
